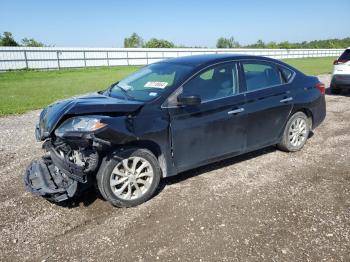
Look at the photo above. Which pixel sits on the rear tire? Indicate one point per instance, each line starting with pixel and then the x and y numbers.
pixel 129 178
pixel 295 133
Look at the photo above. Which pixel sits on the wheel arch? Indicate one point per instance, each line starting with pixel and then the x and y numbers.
pixel 155 149
pixel 307 112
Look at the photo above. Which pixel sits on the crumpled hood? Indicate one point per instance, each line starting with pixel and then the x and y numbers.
pixel 94 103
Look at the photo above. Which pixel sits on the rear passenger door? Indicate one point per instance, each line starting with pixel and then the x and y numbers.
pixel 268 102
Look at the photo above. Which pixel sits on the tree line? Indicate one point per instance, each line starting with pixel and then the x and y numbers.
pixel 315 44
pixel 136 41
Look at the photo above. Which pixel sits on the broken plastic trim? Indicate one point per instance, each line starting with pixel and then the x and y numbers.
pixel 53 177
pixel 70 169
pixel 42 178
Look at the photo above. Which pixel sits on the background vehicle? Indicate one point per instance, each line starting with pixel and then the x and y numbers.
pixel 341 73
pixel 169 117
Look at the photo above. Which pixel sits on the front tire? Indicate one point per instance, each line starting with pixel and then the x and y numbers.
pixel 295 134
pixel 129 178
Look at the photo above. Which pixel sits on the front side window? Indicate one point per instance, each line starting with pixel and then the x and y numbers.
pixel 259 75
pixel 214 83
pixel 150 82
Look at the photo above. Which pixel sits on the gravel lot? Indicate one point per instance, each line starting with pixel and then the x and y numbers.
pixel 267 205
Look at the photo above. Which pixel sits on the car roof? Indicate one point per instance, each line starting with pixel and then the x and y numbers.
pixel 207 59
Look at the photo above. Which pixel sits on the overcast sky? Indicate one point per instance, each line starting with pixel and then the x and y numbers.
pixel 105 23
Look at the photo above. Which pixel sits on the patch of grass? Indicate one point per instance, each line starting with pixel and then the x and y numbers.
pixel 312 66
pixel 21 91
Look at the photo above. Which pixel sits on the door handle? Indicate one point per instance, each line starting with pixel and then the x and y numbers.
pixel 286 99
pixel 236 111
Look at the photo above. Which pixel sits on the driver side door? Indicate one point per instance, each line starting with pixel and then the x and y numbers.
pixel 216 127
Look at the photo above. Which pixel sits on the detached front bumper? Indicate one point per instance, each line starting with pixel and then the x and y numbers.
pixel 42 178
pixel 54 177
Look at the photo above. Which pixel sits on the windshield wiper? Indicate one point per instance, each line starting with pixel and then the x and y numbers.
pixel 125 92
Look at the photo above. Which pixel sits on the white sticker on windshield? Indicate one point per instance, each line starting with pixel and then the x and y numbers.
pixel 156 84
pixel 153 94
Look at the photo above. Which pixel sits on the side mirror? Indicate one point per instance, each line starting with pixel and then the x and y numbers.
pixel 190 100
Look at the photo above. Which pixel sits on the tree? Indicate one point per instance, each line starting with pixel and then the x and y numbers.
pixel 285 45
pixel 7 40
pixel 158 43
pixel 133 41
pixel 31 43
pixel 260 44
pixel 227 43
pixel 271 45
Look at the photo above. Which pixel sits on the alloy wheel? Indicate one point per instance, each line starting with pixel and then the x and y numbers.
pixel 297 134
pixel 131 178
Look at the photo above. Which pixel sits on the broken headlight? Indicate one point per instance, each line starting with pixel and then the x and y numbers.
pixel 80 124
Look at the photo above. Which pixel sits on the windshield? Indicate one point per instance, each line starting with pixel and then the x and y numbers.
pixel 150 82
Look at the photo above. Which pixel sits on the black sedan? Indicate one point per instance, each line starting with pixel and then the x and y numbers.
pixel 169 117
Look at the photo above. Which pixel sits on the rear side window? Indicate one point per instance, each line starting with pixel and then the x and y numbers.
pixel 259 75
pixel 345 55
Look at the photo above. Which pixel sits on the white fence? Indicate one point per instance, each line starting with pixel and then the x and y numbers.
pixel 57 58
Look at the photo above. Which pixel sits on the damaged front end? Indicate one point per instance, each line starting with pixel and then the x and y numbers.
pixel 76 133
pixel 72 157
pixel 62 171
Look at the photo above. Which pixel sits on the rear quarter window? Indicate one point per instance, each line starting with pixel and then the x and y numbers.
pixel 286 73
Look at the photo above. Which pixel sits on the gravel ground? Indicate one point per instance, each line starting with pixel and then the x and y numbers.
pixel 266 205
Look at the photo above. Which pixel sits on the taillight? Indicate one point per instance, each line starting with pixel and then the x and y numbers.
pixel 337 62
pixel 320 86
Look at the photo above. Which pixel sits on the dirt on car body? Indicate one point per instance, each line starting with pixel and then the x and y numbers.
pixel 266 205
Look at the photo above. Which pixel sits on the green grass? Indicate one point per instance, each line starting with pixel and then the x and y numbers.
pixel 21 91
pixel 312 66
